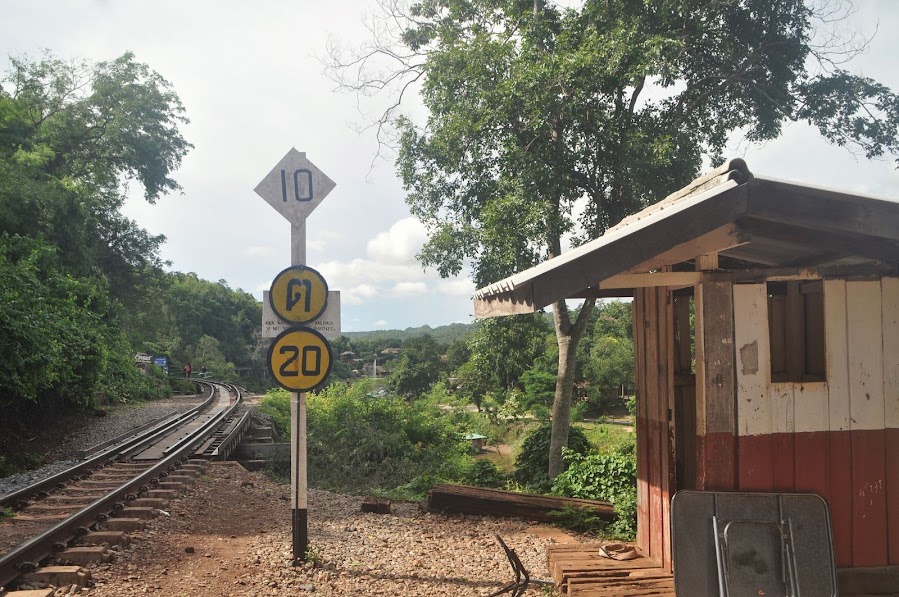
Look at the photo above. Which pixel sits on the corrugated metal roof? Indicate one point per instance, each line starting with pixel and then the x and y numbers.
pixel 762 222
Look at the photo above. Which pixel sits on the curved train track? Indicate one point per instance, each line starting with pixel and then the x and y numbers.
pixel 73 514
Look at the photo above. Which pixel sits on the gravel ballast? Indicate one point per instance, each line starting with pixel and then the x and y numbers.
pixel 230 534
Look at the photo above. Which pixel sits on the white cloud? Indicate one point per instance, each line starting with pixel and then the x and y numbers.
pixel 401 289
pixel 380 323
pixel 263 251
pixel 456 287
pixel 357 295
pixel 399 244
pixel 323 240
pixel 346 274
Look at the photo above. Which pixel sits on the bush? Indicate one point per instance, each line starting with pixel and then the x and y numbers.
pixel 361 442
pixel 532 464
pixel 276 404
pixel 609 477
pixel 631 405
pixel 582 520
pixel 484 473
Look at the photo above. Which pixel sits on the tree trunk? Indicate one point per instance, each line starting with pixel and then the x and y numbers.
pixel 568 337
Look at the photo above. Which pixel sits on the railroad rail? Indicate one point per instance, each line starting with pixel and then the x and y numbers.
pixel 117 480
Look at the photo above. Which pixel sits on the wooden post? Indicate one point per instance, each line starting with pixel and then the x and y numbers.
pixel 715 384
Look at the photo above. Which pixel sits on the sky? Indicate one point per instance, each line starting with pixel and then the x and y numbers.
pixel 251 79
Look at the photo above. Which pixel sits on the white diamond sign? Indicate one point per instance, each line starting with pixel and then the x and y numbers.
pixel 295 187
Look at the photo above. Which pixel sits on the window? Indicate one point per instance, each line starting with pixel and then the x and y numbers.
pixel 796 331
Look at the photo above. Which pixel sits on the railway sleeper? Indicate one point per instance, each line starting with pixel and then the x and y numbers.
pixel 127 525
pixel 143 513
pixel 57 576
pixel 86 555
pixel 105 538
pixel 149 503
pixel 165 494
pixel 31 593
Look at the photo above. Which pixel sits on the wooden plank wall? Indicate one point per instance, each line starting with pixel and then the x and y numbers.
pixel 653 339
pixel 838 438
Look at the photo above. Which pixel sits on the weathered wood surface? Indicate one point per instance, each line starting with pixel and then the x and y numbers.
pixel 579 570
pixel 464 499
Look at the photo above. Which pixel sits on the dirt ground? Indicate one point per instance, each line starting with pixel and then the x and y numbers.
pixel 229 534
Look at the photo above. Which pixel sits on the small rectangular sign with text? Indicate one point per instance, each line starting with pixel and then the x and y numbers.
pixel 328 323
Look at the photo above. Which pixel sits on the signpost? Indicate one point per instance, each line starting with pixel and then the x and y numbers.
pixel 300 359
pixel 327 324
pixel 299 294
pixel 300 356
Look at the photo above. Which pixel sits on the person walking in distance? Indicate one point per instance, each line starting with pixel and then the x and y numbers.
pixel 187 370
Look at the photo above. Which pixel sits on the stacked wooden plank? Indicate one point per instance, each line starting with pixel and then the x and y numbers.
pixel 580 571
pixel 494 502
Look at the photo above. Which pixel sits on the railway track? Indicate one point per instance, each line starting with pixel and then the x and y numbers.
pixel 75 515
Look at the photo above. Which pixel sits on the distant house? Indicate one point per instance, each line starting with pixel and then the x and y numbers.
pixel 794 384
pixel 477 441
pixel 347 356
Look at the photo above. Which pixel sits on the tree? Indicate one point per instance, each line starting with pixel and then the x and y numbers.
pixel 533 108
pixel 417 368
pixel 71 135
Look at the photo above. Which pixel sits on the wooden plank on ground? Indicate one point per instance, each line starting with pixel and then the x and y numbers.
pixel 464 499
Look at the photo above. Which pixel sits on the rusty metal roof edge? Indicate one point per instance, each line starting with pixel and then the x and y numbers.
pixel 846 193
pixel 529 275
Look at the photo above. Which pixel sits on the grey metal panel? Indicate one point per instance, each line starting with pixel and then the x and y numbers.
pixel 693 540
pixel 693 543
pixel 811 523
pixel 754 559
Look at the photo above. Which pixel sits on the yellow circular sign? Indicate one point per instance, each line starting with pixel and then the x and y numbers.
pixel 299 294
pixel 299 359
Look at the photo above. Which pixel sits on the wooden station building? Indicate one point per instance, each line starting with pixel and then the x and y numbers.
pixel 789 378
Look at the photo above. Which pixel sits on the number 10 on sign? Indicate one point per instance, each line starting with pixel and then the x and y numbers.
pixel 299 359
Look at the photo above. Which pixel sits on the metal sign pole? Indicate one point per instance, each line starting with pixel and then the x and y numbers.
pixel 299 479
pixel 294 187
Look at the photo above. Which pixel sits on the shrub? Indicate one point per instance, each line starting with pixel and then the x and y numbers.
pixel 610 477
pixel 631 405
pixel 582 520
pixel 276 404
pixel 532 464
pixel 484 473
pixel 360 442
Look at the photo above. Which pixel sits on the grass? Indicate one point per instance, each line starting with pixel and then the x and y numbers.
pixel 605 437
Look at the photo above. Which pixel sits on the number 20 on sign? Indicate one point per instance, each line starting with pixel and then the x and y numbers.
pixel 299 359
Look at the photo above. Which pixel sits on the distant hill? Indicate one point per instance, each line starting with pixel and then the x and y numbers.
pixel 443 334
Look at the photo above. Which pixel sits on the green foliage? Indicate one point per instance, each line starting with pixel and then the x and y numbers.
pixel 359 441
pixel 534 107
pixel 539 388
pixel 484 473
pixel 631 404
pixel 596 476
pixel 606 438
pixel 276 404
pixel 532 464
pixel 417 368
pixel 582 520
pixel 96 124
pixel 609 477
